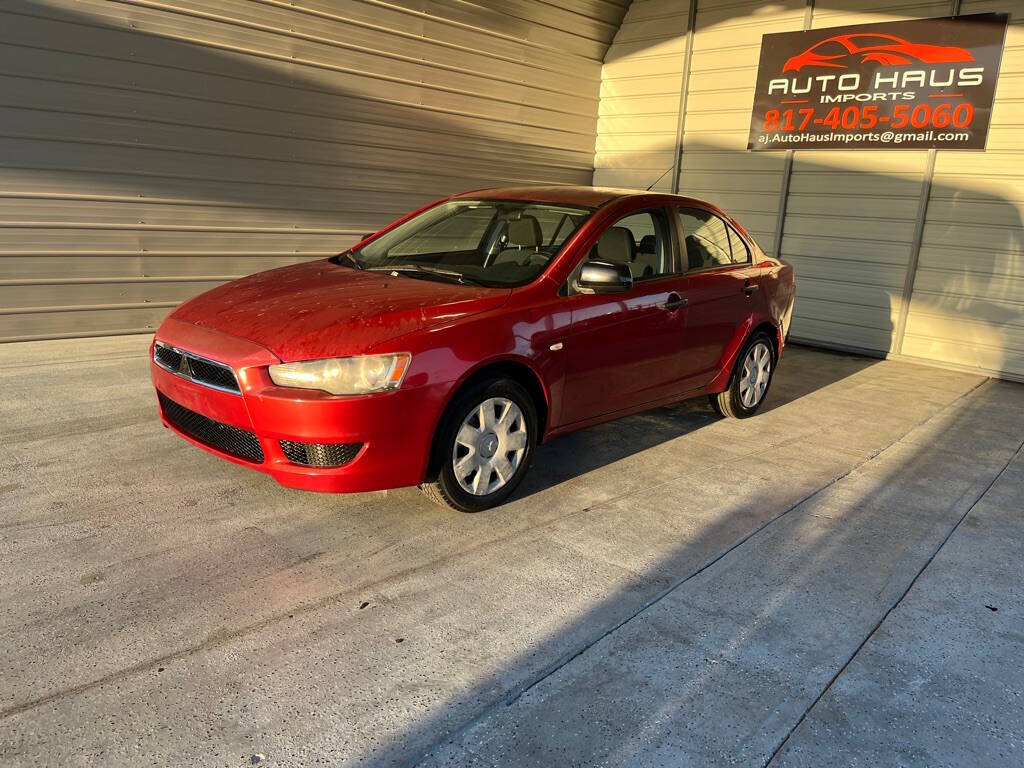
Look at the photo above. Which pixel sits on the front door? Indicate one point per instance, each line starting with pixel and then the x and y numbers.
pixel 625 349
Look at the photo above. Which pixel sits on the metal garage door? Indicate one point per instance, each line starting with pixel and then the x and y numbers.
pixel 848 221
pixel 967 306
pixel 149 150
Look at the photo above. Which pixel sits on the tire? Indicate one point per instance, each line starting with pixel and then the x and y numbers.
pixel 504 443
pixel 735 402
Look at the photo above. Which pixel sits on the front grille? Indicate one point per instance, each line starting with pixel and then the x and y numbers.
pixel 191 366
pixel 320 454
pixel 208 373
pixel 168 356
pixel 225 438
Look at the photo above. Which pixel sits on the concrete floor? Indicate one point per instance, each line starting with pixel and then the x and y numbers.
pixel 835 582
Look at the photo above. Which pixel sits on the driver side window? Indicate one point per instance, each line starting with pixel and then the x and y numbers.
pixel 641 241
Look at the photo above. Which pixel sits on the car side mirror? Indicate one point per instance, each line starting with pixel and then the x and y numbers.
pixel 602 277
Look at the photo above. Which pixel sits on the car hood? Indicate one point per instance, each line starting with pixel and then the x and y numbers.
pixel 319 309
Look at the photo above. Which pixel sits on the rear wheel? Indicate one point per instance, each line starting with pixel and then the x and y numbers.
pixel 750 380
pixel 484 446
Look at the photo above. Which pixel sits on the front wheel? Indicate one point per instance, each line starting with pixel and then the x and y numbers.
pixel 750 380
pixel 484 446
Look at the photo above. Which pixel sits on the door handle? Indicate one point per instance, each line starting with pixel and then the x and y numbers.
pixel 749 288
pixel 675 301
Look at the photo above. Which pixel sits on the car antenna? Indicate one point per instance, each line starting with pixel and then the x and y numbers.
pixel 661 177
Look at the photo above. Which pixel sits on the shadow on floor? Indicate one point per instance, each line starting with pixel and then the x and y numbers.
pixel 801 372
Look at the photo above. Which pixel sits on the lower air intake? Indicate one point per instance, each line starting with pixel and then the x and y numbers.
pixel 222 437
pixel 320 454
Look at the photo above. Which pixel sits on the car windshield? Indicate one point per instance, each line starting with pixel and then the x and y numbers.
pixel 481 242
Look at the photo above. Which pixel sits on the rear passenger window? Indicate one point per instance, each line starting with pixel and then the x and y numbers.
pixel 709 241
pixel 740 252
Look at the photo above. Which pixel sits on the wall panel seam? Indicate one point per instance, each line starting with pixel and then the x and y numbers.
pixel 684 94
pixel 915 246
pixel 787 163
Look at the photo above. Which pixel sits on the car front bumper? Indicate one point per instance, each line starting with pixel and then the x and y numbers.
pixel 383 440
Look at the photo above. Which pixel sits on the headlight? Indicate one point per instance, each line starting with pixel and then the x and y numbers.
pixel 344 375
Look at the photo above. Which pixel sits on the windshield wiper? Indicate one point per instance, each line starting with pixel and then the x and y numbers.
pixel 456 277
pixel 349 257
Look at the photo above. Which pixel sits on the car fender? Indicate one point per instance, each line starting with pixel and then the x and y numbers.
pixel 442 404
pixel 529 363
pixel 523 332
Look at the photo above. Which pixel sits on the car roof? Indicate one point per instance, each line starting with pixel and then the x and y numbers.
pixel 590 197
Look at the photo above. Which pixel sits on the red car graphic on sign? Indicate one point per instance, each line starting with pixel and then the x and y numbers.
pixel 887 50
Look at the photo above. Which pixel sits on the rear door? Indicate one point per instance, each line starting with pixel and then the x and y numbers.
pixel 722 287
pixel 625 349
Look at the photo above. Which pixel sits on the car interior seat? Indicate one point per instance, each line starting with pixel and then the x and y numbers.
pixel 697 254
pixel 523 239
pixel 646 263
pixel 615 246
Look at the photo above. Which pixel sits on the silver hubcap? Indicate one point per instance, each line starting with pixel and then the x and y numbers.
pixel 489 446
pixel 757 369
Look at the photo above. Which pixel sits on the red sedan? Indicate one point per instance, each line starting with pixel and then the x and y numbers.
pixel 442 349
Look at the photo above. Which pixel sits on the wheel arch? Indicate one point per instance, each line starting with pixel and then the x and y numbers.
pixel 518 370
pixel 723 379
pixel 773 333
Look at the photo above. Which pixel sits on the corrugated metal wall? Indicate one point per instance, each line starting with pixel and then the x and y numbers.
pixel 968 301
pixel 850 219
pixel 641 83
pixel 847 219
pixel 715 164
pixel 150 150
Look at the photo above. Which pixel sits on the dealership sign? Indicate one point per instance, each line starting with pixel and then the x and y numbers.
pixel 894 85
